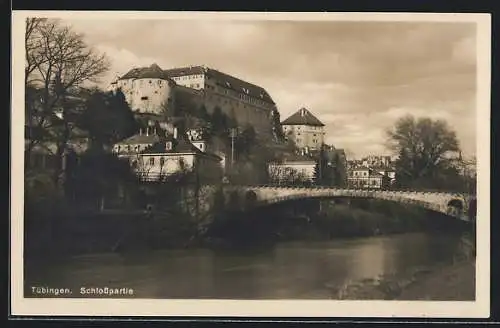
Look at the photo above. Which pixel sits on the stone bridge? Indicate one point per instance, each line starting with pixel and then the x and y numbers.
pixel 452 204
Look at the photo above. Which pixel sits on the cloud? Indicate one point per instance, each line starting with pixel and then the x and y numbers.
pixel 357 77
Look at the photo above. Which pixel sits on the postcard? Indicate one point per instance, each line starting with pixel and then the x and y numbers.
pixel 250 164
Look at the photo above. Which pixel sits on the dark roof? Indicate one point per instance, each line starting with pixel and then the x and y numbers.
pixel 184 146
pixel 364 168
pixel 294 157
pixel 302 117
pixel 224 80
pixel 180 145
pixel 141 139
pixel 153 72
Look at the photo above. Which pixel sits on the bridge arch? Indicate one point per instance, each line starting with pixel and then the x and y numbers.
pixel 445 203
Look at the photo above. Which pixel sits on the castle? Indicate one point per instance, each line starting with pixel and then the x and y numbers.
pixel 149 90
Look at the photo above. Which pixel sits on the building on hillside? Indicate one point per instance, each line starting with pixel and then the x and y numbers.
pixel 386 171
pixel 151 89
pixel 305 129
pixel 366 178
pixel 376 161
pixel 154 157
pixel 295 169
pixel 377 164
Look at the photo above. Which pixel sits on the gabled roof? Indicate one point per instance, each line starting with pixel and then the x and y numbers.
pixel 294 157
pixel 360 168
pixel 152 72
pixel 302 117
pixel 224 80
pixel 140 139
pixel 180 145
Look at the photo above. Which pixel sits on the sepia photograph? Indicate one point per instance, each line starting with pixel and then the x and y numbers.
pixel 249 164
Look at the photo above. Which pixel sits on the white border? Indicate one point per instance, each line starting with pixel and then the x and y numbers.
pixel 237 308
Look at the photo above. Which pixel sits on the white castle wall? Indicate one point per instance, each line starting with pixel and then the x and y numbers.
pixel 146 95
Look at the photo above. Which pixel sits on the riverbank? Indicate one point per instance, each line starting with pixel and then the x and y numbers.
pixel 59 235
pixel 446 282
pixel 333 221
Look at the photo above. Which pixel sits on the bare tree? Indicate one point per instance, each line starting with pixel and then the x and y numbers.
pixel 58 61
pixel 286 175
pixel 33 46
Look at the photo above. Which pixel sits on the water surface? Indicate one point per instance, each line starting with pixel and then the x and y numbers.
pixel 297 270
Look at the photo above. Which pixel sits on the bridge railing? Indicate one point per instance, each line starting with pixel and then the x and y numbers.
pixel 320 187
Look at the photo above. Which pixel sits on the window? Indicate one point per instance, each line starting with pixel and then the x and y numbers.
pixel 144 98
pixel 162 161
pixel 151 161
pixel 150 81
pixel 314 134
pixel 298 134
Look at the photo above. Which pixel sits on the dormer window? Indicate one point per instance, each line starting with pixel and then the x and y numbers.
pixel 168 145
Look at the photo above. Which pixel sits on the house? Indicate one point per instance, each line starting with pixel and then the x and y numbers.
pixel 366 178
pixel 154 157
pixel 293 169
pixel 305 129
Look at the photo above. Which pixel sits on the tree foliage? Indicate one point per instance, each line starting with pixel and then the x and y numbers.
pixel 276 125
pixel 108 118
pixel 325 168
pixel 423 147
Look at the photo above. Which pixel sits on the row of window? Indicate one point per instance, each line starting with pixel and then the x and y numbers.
pixel 188 77
pixel 366 183
pixel 235 94
pixel 161 161
pixel 129 148
pixel 358 174
pixel 142 81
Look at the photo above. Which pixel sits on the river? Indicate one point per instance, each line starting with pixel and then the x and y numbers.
pixel 291 270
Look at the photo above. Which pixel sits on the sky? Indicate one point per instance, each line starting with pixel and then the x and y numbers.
pixel 358 78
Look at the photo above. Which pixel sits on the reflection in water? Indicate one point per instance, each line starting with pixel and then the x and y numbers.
pixel 290 270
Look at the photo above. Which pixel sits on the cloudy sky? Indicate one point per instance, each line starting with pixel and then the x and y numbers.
pixel 357 77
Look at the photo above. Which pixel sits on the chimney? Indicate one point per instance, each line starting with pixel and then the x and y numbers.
pixel 175 133
pixel 147 131
pixel 140 131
